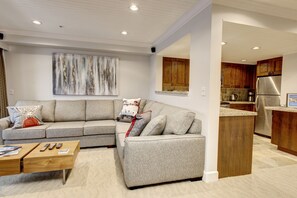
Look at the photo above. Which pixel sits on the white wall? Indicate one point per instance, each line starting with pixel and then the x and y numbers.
pixel 204 74
pixel 29 74
pixel 205 58
pixel 289 76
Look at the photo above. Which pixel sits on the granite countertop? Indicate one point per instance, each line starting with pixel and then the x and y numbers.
pixel 238 102
pixel 279 108
pixel 174 93
pixel 228 112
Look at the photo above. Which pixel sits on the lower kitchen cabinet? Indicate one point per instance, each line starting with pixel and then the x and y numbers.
pixel 235 145
pixel 284 131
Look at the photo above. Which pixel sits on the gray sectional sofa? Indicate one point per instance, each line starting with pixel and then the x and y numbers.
pixel 145 160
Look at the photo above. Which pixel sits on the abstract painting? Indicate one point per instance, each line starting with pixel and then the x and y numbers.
pixel 75 74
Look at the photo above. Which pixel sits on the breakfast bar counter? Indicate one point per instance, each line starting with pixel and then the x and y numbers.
pixel 236 130
pixel 284 129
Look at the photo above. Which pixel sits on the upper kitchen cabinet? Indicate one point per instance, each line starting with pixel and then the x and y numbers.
pixel 270 67
pixel 238 75
pixel 175 74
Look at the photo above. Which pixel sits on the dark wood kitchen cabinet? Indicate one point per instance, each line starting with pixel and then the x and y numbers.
pixel 270 67
pixel 238 75
pixel 175 74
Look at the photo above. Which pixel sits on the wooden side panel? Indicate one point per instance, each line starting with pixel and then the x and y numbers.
pixel 235 145
pixel 276 124
pixel 10 167
pixel 48 164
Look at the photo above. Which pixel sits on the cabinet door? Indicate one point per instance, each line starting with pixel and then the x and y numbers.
pixel 175 74
pixel 263 68
pixel 167 74
pixel 238 75
pixel 180 75
pixel 277 63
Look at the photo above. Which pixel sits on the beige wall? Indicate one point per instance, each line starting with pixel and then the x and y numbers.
pixel 29 74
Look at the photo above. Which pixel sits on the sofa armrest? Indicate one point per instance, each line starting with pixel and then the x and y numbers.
pixel 157 159
pixel 4 124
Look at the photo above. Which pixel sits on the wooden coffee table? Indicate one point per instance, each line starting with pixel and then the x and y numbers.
pixel 31 160
pixel 10 165
pixel 50 160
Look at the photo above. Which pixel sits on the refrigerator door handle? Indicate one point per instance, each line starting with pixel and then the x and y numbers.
pixel 257 103
pixel 257 85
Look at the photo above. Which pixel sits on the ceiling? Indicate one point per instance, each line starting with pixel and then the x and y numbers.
pixel 90 23
pixel 242 38
pixel 93 20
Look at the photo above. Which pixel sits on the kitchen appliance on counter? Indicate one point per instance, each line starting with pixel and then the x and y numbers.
pixel 251 96
pixel 233 97
pixel 268 94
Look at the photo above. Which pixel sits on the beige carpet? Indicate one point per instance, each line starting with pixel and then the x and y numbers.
pixel 97 173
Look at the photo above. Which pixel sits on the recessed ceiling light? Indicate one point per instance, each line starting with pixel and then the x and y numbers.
pixel 223 43
pixel 243 60
pixel 124 32
pixel 256 48
pixel 133 7
pixel 37 22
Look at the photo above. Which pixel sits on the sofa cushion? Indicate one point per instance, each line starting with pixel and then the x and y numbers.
pixel 178 121
pixel 195 127
pixel 99 110
pixel 67 110
pixel 99 127
pixel 155 107
pixel 155 126
pixel 48 108
pixel 122 127
pixel 65 129
pixel 138 124
pixel 25 133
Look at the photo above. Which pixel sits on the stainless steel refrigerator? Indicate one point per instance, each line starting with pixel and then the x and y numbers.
pixel 268 94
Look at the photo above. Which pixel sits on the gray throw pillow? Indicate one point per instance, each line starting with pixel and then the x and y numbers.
pixel 179 122
pixel 155 126
pixel 138 123
pixel 195 127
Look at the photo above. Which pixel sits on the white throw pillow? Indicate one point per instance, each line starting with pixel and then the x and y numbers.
pixel 155 126
pixel 129 110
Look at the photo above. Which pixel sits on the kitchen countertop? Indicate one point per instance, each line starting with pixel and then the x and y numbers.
pixel 238 102
pixel 228 112
pixel 279 108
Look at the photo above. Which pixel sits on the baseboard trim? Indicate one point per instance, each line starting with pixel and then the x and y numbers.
pixel 210 176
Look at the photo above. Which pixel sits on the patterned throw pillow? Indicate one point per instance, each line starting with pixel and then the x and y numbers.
pixel 138 124
pixel 25 116
pixel 129 110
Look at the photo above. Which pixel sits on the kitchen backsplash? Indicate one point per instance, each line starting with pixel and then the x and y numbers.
pixel 241 92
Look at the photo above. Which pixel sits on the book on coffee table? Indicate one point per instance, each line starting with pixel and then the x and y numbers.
pixel 9 150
